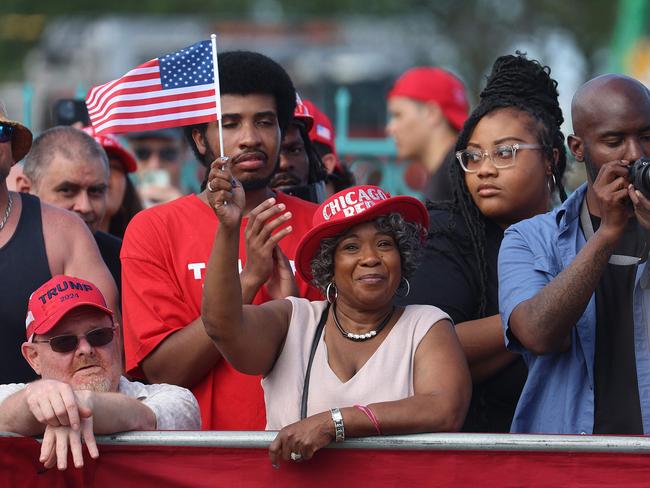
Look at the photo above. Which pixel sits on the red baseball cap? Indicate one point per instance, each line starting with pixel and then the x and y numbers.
pixel 114 149
pixel 303 114
pixel 427 84
pixel 58 296
pixel 348 208
pixel 323 130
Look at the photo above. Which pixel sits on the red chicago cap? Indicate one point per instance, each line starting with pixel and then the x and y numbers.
pixel 348 208
pixel 58 296
pixel 434 85
pixel 303 114
pixel 114 149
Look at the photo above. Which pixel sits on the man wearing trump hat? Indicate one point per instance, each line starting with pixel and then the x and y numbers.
pixel 72 344
pixel 428 107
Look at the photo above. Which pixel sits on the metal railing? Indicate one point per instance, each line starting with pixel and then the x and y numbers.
pixel 420 442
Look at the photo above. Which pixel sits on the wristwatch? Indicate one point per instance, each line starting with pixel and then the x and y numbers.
pixel 339 429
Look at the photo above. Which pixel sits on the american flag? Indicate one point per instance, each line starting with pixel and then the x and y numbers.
pixel 173 90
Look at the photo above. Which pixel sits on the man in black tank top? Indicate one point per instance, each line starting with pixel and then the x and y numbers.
pixel 36 242
pixel 23 261
pixel 67 168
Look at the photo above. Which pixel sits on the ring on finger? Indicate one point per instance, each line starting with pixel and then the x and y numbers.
pixel 296 456
pixel 210 187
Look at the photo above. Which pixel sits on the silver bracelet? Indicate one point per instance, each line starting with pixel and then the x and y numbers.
pixel 339 428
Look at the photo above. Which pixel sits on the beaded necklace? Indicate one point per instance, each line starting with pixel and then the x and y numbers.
pixel 368 335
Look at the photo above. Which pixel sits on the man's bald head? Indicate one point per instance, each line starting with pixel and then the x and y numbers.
pixel 603 96
pixel 611 122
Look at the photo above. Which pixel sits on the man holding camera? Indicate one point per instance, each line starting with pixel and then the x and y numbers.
pixel 573 283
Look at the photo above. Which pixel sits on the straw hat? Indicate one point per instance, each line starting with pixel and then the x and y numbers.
pixel 22 139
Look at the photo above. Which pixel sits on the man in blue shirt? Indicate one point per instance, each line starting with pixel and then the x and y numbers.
pixel 573 282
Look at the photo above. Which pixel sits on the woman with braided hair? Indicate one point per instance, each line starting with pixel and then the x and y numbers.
pixel 510 159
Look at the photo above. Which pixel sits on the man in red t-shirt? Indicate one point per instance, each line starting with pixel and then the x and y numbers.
pixel 166 249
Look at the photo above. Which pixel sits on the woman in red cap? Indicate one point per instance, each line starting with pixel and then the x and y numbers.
pixel 374 368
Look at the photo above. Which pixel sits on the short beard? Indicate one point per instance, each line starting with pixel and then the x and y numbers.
pixel 248 185
pixel 98 385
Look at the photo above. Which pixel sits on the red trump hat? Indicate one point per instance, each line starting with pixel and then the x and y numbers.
pixel 58 296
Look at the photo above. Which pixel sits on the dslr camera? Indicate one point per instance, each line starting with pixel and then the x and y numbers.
pixel 640 175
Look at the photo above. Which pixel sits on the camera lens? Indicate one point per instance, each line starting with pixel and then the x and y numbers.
pixel 640 175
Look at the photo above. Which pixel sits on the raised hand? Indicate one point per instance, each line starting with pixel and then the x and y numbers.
pixel 225 194
pixel 282 283
pixel 262 236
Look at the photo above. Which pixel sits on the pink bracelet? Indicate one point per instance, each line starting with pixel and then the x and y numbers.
pixel 371 415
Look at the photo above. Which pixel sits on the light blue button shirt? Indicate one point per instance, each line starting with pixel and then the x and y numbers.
pixel 559 393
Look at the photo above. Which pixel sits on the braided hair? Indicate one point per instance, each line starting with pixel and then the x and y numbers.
pixel 515 82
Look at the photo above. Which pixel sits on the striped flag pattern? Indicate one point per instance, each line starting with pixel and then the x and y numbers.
pixel 173 90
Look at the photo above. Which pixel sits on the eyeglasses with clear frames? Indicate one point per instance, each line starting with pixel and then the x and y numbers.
pixel 501 156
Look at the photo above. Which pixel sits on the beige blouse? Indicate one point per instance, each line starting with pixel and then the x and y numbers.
pixel 386 376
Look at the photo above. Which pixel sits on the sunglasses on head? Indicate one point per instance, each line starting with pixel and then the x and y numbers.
pixel 6 132
pixel 166 153
pixel 69 342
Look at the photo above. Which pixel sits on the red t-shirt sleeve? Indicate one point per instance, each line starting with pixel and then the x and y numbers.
pixel 152 303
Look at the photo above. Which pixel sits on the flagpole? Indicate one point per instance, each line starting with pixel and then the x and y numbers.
pixel 217 90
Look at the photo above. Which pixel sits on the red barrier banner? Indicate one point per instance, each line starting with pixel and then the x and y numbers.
pixel 173 466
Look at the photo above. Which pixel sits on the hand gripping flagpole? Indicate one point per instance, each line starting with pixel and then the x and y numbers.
pixel 217 90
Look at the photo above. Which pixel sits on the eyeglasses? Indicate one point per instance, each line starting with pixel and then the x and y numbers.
pixel 6 132
pixel 166 153
pixel 68 342
pixel 501 156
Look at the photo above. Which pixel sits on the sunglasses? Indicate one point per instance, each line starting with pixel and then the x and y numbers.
pixel 6 132
pixel 68 342
pixel 166 154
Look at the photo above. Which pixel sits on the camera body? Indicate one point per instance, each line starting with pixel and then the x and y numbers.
pixel 640 175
